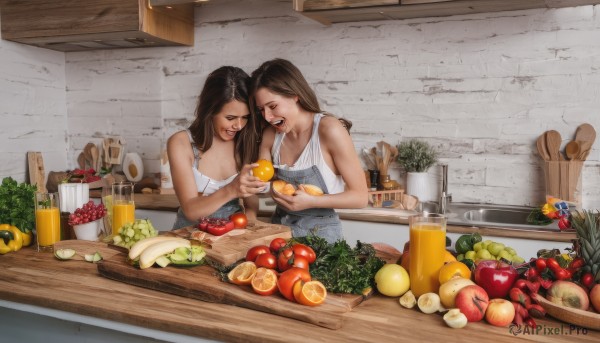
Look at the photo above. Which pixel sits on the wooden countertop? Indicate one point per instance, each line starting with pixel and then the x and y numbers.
pixel 169 202
pixel 29 277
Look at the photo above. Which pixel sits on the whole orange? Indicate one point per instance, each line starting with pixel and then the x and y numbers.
pixel 453 269
pixel 264 171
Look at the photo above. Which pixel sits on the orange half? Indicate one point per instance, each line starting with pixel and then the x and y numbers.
pixel 264 281
pixel 243 273
pixel 310 293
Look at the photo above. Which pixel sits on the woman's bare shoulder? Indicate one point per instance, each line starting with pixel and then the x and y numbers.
pixel 179 138
pixel 331 129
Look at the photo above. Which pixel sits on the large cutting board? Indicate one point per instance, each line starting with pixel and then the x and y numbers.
pixel 202 283
pixel 228 249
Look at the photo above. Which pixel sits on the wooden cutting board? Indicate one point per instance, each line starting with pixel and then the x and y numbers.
pixel 202 283
pixel 228 249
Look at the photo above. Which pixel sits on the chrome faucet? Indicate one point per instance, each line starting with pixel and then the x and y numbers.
pixel 445 198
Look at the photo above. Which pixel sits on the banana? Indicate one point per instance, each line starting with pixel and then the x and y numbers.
pixel 455 319
pixel 429 303
pixel 141 245
pixel 154 251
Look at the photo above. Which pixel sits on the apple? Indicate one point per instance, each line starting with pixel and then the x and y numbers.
pixel 472 301
pixel 496 277
pixel 449 290
pixel 567 293
pixel 500 312
pixel 595 297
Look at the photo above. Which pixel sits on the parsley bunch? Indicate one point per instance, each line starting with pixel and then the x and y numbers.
pixel 343 269
pixel 17 204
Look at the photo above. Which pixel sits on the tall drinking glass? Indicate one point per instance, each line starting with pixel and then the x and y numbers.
pixel 47 220
pixel 427 249
pixel 123 206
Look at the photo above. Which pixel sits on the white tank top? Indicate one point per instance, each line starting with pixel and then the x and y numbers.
pixel 205 184
pixel 311 156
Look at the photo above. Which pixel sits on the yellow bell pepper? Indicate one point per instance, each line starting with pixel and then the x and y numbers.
pixel 17 243
pixel 27 238
pixel 4 248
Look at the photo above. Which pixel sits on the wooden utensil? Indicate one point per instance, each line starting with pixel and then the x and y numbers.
pixel 553 141
pixel 81 160
pixel 87 153
pixel 572 150
pixel 95 155
pixel 585 136
pixel 542 148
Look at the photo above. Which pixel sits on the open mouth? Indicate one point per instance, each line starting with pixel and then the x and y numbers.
pixel 278 123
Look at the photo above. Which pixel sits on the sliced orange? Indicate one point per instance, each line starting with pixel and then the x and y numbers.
pixel 243 273
pixel 264 281
pixel 311 293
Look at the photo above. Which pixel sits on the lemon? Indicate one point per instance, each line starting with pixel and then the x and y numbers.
pixel 392 280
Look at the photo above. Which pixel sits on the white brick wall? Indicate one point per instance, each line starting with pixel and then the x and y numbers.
pixel 481 88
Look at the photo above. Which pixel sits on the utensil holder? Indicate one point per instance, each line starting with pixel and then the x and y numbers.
pixel 377 198
pixel 563 180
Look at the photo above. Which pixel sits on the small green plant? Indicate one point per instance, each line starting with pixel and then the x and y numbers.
pixel 416 156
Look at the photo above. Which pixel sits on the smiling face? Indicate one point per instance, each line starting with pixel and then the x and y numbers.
pixel 230 120
pixel 280 111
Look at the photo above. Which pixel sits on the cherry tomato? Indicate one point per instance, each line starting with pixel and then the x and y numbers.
pixel 300 262
pixel 306 251
pixel 540 264
pixel 587 279
pixel 577 263
pixel 532 274
pixel 253 252
pixel 264 171
pixel 283 259
pixel 239 220
pixel 552 264
pixel 266 260
pixel 277 244
pixel 287 279
pixel 562 274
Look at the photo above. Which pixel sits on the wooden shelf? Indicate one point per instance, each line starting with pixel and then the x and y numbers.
pixel 330 12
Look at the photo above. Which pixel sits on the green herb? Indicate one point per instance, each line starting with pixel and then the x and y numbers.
pixel 343 269
pixel 416 156
pixel 17 204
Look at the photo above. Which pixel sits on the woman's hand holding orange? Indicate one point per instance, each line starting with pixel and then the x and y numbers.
pixel 301 200
pixel 245 184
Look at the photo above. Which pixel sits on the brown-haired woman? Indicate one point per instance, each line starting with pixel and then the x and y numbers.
pixel 309 147
pixel 211 160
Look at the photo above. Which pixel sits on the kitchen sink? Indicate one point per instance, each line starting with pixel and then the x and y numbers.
pixel 488 215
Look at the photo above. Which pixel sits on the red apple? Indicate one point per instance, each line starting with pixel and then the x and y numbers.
pixel 496 277
pixel 570 294
pixel 595 297
pixel 472 302
pixel 500 312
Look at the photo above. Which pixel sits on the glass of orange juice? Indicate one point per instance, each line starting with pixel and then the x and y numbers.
pixel 426 251
pixel 47 221
pixel 123 206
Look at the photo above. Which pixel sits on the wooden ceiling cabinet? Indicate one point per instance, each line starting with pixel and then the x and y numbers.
pixel 329 12
pixel 77 25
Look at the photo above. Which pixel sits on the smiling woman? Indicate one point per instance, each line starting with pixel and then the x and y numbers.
pixel 210 161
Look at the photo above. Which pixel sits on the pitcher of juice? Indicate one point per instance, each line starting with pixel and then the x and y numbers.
pixel 47 220
pixel 427 249
pixel 123 206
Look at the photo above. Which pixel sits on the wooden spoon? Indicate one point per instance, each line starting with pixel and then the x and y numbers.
pixel 553 141
pixel 81 161
pixel 94 154
pixel 585 136
pixel 572 150
pixel 542 148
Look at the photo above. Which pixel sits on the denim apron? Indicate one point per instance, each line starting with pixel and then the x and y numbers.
pixel 323 222
pixel 225 211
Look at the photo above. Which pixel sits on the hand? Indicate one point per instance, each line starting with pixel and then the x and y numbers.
pixel 297 202
pixel 245 184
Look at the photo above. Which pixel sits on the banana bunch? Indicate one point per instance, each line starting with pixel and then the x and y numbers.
pixel 165 250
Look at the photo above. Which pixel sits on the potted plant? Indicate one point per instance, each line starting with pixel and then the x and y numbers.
pixel 416 157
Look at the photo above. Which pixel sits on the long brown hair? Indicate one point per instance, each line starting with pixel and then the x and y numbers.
pixel 223 85
pixel 284 78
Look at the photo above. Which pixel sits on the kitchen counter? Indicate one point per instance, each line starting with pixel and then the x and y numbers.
pixel 39 281
pixel 169 202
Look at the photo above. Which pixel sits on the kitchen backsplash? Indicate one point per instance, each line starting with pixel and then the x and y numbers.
pixel 480 88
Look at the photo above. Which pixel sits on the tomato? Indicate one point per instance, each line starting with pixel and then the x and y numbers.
pixel 266 260
pixel 562 274
pixel 306 251
pixel 577 263
pixel 540 264
pixel 277 244
pixel 300 262
pixel 283 259
pixel 253 252
pixel 287 279
pixel 239 220
pixel 264 171
pixel 552 264
pixel 587 279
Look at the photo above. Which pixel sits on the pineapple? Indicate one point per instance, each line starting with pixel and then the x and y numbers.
pixel 587 227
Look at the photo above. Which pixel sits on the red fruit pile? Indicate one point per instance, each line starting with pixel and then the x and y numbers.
pixel 87 213
pixel 216 226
